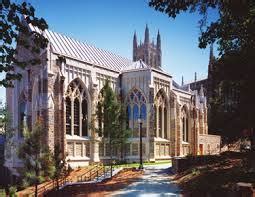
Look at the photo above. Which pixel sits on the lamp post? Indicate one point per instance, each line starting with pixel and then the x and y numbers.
pixel 141 143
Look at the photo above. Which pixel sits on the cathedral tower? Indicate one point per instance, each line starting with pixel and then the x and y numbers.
pixel 148 51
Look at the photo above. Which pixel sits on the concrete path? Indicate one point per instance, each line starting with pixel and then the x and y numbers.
pixel 156 181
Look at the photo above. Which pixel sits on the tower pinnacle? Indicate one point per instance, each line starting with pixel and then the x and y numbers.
pixel 146 36
pixel 158 41
pixel 134 47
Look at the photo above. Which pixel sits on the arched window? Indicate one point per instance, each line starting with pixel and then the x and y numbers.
pixel 185 125
pixel 76 109
pixel 136 108
pixel 161 117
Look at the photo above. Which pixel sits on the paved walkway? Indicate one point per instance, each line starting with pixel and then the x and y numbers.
pixel 155 182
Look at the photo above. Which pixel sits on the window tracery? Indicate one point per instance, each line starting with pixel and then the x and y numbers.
pixel 160 115
pixel 136 108
pixel 185 125
pixel 76 101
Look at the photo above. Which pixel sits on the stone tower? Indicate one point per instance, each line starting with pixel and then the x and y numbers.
pixel 149 52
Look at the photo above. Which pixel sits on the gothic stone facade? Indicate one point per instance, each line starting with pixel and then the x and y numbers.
pixel 64 91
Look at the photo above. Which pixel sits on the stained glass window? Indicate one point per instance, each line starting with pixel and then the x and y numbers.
pixel 161 113
pixel 84 117
pixel 136 108
pixel 76 116
pixel 79 106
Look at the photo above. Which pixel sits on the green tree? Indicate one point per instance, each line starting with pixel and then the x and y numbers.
pixel 234 33
pixel 110 114
pixel 15 18
pixel 36 156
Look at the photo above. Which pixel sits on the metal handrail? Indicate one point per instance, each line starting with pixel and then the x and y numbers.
pixel 80 177
pixel 95 172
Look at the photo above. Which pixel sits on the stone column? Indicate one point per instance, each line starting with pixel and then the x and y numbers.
pixel 172 126
pixel 94 143
pixel 151 114
pixel 178 130
pixel 157 121
pixel 163 122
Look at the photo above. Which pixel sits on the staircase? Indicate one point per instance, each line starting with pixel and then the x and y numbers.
pixel 96 174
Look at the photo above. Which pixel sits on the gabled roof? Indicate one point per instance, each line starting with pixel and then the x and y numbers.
pixel 70 47
pixel 138 65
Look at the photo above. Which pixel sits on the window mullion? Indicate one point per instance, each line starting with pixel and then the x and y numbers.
pixel 72 115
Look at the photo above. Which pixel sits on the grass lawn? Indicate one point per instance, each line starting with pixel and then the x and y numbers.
pixel 136 165
pixel 2 193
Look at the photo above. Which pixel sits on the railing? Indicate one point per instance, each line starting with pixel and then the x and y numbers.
pixel 94 173
pixel 51 185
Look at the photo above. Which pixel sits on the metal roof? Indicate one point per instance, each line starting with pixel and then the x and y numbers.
pixel 138 65
pixel 70 47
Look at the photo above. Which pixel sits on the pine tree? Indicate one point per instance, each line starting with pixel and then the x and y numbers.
pixel 110 114
pixel 36 156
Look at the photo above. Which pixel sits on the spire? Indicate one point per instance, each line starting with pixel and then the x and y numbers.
pixel 134 47
pixel 135 40
pixel 195 76
pixel 146 36
pixel 158 41
pixel 182 81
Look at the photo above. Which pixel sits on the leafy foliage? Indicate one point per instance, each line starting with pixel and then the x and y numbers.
pixel 37 159
pixel 14 29
pixel 234 28
pixel 232 104
pixel 112 115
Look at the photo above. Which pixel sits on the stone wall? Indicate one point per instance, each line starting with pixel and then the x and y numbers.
pixel 209 143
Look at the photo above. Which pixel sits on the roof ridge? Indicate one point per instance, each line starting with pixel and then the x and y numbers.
pixel 89 44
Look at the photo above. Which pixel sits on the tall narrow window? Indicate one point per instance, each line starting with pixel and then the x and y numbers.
pixel 160 122
pixel 128 116
pixel 85 118
pixel 143 112
pixel 187 130
pixel 165 123
pixel 155 121
pixel 161 119
pixel 183 129
pixel 185 125
pixel 135 120
pixel 76 109
pixel 68 115
pixel 136 108
pixel 143 117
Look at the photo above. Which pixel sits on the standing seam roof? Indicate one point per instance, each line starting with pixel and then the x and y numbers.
pixel 65 45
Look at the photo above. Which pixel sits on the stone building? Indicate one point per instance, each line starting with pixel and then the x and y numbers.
pixel 64 90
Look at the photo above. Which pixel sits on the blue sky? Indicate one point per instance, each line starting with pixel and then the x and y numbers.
pixel 111 24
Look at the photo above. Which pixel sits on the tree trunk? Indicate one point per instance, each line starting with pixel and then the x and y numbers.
pixel 111 156
pixel 36 189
